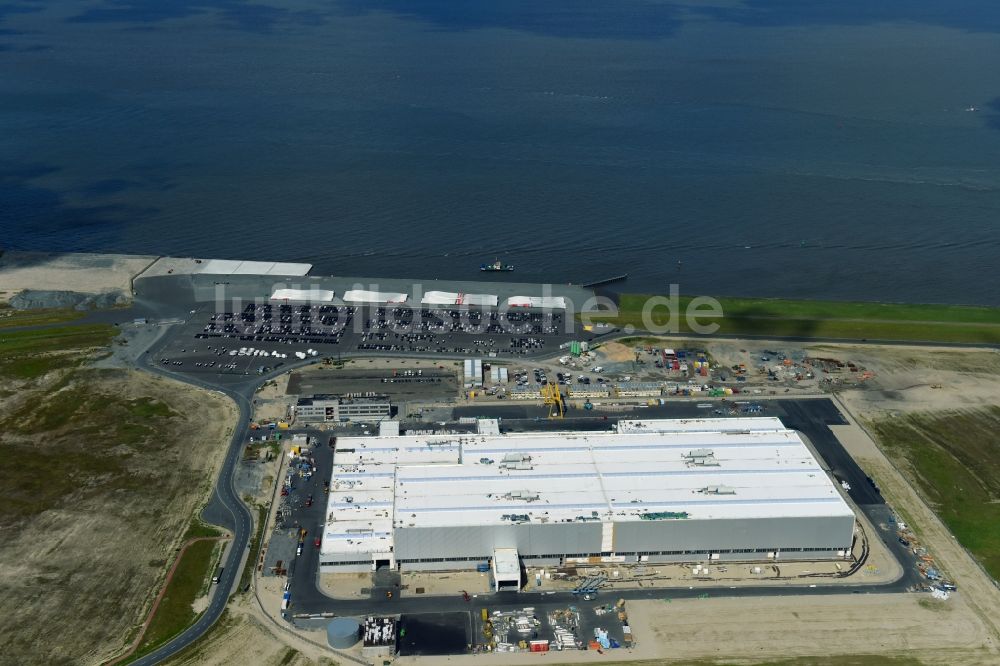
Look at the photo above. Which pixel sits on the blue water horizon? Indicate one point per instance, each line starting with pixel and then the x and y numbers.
pixel 769 148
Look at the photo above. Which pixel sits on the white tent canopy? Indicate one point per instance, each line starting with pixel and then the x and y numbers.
pixel 303 295
pixel 452 298
pixel 552 302
pixel 364 296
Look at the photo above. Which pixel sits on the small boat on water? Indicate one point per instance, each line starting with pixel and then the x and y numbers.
pixel 497 267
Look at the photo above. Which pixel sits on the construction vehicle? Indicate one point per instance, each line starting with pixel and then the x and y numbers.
pixel 552 397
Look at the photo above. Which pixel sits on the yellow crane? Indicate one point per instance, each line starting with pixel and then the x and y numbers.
pixel 553 397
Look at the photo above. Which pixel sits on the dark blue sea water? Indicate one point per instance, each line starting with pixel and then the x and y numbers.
pixel 845 149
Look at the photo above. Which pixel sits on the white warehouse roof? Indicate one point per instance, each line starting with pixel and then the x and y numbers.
pixel 705 469
pixel 453 298
pixel 303 295
pixel 551 302
pixel 364 296
pixel 231 267
pixel 747 424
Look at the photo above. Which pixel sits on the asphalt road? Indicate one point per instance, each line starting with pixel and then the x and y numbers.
pixel 225 509
pixel 804 416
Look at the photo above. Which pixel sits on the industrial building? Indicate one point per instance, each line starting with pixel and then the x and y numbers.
pixel 473 374
pixel 338 409
pixel 457 298
pixel 300 296
pixel 548 302
pixel 364 296
pixel 650 491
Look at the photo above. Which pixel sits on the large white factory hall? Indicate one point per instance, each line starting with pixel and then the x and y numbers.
pixel 649 491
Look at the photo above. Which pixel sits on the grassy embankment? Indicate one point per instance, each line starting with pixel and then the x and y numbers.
pixel 190 581
pixel 26 355
pixel 11 318
pixel 830 319
pixel 90 459
pixel 954 459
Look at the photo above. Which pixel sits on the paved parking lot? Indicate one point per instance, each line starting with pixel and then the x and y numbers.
pixel 395 329
pixel 434 633
pixel 429 384
pixel 261 338
pixel 281 549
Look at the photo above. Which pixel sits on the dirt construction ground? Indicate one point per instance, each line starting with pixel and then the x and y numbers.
pixel 745 630
pixel 242 638
pixel 107 469
pixel 245 635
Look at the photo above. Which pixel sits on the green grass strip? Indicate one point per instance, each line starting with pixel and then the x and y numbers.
pixel 955 458
pixel 175 612
pixel 11 318
pixel 826 319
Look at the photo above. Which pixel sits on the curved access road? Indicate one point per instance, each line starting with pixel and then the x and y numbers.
pixel 225 508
